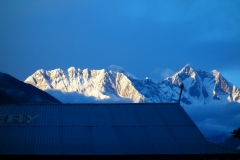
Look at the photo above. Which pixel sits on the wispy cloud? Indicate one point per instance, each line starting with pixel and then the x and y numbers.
pixel 75 97
pixel 212 120
pixel 215 119
pixel 158 74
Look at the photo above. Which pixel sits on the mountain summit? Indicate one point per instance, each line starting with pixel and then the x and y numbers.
pixel 200 87
pixel 101 84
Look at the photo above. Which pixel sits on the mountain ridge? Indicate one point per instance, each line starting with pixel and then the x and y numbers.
pixel 201 87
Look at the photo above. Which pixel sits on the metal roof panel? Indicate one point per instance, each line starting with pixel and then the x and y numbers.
pixel 100 129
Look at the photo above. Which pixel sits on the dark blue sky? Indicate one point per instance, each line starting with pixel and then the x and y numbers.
pixel 146 37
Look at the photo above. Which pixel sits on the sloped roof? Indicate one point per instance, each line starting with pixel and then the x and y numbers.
pixel 100 129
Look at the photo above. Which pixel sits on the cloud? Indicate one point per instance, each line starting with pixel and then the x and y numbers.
pixel 75 97
pixel 215 119
pixel 216 122
pixel 158 74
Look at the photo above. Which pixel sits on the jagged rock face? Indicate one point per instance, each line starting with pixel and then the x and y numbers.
pixel 101 84
pixel 200 87
pixel 236 94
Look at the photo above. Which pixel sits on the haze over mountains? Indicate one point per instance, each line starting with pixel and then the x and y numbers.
pixel 200 87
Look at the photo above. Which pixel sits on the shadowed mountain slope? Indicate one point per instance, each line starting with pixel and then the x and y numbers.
pixel 15 91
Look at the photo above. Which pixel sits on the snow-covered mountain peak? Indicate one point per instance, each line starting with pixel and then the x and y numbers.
pixel 200 87
pixel 101 84
pixel 71 69
pixel 40 71
pixel 55 72
pixel 116 69
pixel 216 73
pixel 85 70
pixel 186 69
pixel 218 77
pixel 184 74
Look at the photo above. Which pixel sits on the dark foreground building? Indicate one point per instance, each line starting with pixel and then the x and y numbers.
pixel 103 131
